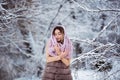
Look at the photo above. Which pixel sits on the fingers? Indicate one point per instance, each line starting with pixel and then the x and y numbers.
pixel 62 55
pixel 56 47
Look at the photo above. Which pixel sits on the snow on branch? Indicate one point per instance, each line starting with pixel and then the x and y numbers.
pixel 1 8
pixel 86 41
pixel 5 45
pixel 92 53
pixel 58 11
pixel 23 52
pixel 55 17
pixel 102 47
pixel 105 27
pixel 93 10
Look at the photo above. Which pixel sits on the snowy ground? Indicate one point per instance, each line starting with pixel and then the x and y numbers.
pixel 28 78
pixel 86 75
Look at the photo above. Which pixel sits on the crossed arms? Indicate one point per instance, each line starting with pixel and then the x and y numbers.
pixel 60 55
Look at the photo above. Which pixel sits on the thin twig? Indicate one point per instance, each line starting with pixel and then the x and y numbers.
pixel 93 10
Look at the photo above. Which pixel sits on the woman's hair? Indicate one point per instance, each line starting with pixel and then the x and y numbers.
pixel 60 28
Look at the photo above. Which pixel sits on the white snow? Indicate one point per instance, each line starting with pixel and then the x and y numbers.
pixel 86 75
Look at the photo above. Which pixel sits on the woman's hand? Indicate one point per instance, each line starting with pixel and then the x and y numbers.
pixel 58 58
pixel 63 54
pixel 57 49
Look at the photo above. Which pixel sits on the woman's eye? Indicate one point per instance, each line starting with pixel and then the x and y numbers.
pixel 59 34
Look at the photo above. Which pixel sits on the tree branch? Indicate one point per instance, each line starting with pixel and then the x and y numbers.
pixel 23 52
pixel 92 52
pixel 93 10
pixel 105 27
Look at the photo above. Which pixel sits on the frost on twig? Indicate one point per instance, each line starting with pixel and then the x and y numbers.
pixel 84 7
pixel 92 52
pixel 58 11
pixel 23 52
pixel 105 27
pixel 1 8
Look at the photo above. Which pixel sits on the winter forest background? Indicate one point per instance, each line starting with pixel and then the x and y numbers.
pixel 92 25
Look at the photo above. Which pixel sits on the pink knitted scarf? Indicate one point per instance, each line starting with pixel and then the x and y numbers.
pixel 67 45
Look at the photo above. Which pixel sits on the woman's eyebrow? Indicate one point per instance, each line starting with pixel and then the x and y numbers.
pixel 58 32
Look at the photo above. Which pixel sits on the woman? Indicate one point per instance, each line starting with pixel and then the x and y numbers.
pixel 58 55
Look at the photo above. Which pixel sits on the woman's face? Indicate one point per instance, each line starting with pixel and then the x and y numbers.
pixel 58 35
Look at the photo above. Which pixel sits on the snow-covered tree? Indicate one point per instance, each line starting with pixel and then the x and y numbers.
pixel 92 25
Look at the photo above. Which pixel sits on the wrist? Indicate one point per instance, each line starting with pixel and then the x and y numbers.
pixel 61 57
pixel 58 58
